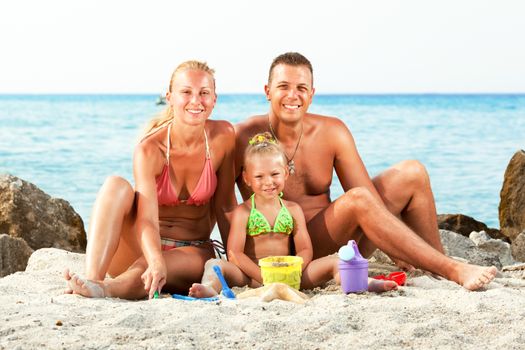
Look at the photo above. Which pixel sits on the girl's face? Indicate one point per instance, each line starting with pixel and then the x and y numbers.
pixel 266 175
pixel 192 96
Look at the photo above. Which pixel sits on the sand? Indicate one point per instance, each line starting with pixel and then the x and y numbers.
pixel 428 313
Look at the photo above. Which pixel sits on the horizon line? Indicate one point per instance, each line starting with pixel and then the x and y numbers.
pixel 260 93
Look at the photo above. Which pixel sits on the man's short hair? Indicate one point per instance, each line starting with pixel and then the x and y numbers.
pixel 291 59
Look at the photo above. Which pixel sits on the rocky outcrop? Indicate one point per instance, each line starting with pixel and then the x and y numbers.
pixel 456 245
pixel 28 213
pixel 518 247
pixel 512 198
pixel 502 249
pixel 14 254
pixel 464 225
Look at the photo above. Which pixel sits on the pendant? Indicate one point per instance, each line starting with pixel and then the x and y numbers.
pixel 291 167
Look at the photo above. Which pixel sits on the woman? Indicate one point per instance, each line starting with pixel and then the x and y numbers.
pixel 159 234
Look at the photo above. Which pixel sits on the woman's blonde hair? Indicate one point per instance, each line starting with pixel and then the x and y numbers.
pixel 166 115
pixel 263 144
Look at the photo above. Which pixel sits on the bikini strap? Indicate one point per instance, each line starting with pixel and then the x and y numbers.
pixel 168 145
pixel 207 146
pixel 253 201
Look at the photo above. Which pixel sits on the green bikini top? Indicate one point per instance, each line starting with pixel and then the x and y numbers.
pixel 257 223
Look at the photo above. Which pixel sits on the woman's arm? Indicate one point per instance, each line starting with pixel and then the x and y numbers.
pixel 236 242
pixel 301 237
pixel 224 200
pixel 144 165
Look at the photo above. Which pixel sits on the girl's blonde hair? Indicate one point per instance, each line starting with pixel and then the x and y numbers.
pixel 166 115
pixel 263 144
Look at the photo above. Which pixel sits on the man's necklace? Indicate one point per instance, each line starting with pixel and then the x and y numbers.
pixel 291 163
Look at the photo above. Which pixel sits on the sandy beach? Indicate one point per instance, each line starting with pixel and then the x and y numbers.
pixel 427 313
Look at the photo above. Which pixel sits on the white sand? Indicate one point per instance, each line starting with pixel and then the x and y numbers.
pixel 427 314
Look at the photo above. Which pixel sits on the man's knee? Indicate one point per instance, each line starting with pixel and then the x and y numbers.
pixel 359 198
pixel 413 172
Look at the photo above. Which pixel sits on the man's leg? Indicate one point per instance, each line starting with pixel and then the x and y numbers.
pixel 358 208
pixel 406 192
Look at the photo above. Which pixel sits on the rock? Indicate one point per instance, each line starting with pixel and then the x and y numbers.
pixel 464 225
pixel 518 247
pixel 29 213
pixel 456 245
pixel 14 254
pixel 502 249
pixel 512 197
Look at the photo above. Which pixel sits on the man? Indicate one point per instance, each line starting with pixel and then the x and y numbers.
pixel 394 212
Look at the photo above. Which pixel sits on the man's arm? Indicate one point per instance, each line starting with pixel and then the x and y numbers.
pixel 348 164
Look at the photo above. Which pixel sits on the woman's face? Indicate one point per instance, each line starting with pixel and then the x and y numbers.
pixel 192 96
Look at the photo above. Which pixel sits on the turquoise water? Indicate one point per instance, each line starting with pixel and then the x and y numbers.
pixel 68 144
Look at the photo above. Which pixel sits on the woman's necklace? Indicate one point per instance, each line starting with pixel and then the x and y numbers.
pixel 291 163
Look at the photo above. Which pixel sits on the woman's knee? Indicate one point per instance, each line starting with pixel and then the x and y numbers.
pixel 140 263
pixel 118 187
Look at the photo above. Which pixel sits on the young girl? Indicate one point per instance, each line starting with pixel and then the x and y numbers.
pixel 265 225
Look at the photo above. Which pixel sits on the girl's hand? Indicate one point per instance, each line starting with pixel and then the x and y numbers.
pixel 154 277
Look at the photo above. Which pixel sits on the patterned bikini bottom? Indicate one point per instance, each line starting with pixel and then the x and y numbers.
pixel 169 244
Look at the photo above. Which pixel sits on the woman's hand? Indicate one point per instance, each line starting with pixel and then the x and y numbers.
pixel 154 277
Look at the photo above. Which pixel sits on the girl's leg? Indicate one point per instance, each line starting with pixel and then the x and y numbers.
pixel 322 270
pixel 210 284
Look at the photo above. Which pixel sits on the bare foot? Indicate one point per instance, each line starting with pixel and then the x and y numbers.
pixel 198 290
pixel 380 286
pixel 473 277
pixel 87 288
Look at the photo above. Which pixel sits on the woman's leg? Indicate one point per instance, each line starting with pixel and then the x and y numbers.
pixel 112 244
pixel 184 266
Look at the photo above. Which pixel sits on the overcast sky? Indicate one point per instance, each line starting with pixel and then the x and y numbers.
pixel 95 46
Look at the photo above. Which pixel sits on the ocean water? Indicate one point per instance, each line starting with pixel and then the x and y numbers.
pixel 68 144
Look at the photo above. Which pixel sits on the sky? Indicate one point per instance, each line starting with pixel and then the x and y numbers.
pixel 382 46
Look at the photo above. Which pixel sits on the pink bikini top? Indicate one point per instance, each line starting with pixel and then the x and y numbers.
pixel 166 194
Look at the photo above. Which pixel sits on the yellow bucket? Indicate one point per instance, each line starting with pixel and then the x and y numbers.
pixel 282 269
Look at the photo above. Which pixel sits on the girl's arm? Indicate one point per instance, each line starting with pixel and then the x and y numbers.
pixel 236 242
pixel 224 200
pixel 301 237
pixel 145 161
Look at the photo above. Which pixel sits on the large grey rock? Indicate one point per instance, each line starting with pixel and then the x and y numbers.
pixel 29 213
pixel 456 245
pixel 518 247
pixel 464 225
pixel 502 249
pixel 512 197
pixel 14 254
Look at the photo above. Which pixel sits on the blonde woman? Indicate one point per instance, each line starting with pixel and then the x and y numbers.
pixel 158 235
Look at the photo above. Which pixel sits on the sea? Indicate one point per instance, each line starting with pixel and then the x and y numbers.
pixel 68 144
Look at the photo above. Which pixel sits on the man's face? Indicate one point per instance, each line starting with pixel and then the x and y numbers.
pixel 290 91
